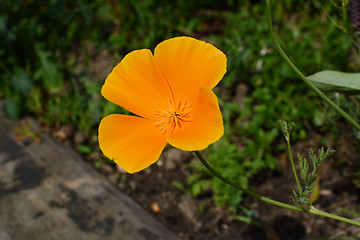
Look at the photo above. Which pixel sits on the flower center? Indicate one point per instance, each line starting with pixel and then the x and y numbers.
pixel 174 117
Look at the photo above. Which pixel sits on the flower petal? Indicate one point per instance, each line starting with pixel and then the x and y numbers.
pixel 137 84
pixel 206 126
pixel 188 63
pixel 132 142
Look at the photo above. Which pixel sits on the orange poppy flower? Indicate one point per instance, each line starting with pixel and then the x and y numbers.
pixel 171 94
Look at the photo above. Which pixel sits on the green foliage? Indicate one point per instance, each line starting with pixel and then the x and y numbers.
pixel 12 108
pixel 234 170
pixel 274 91
pixel 37 39
pixel 48 71
pixel 246 217
pixel 286 129
pixel 84 149
pixel 234 165
pixel 22 82
pixel 308 176
pixel 326 119
pixel 47 49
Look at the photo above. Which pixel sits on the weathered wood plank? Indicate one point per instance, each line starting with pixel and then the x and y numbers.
pixel 47 192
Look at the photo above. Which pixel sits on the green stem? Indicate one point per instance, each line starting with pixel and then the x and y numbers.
pixel 302 76
pixel 312 210
pixel 344 11
pixel 248 192
pixel 293 165
pixel 315 211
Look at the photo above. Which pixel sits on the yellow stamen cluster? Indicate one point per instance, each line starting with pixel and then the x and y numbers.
pixel 174 117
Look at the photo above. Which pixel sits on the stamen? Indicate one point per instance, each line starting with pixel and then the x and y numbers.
pixel 174 118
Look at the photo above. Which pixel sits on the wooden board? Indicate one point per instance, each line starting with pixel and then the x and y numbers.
pixel 47 192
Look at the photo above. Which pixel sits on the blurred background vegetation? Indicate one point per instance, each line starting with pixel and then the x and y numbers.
pixel 56 54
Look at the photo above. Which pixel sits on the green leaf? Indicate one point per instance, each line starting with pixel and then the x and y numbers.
pixel 83 149
pixel 199 187
pixel 244 219
pixel 48 71
pixel 178 185
pixel 334 81
pixel 12 108
pixel 22 82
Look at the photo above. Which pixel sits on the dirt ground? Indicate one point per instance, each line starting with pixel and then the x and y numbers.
pixel 179 211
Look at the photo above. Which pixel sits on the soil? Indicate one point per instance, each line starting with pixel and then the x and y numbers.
pixel 198 218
